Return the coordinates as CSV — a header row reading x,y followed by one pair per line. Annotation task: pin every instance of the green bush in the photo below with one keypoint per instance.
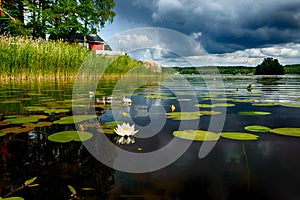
x,y
269,66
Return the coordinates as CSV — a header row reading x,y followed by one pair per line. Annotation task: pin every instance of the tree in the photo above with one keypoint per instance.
x,y
58,17
12,17
269,66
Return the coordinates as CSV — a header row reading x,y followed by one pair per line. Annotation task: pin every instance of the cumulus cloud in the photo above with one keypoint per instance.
x,y
232,32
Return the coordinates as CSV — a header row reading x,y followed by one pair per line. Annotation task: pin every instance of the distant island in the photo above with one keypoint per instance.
x,y
269,66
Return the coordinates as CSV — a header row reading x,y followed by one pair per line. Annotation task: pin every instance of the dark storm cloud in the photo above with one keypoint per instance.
x,y
224,25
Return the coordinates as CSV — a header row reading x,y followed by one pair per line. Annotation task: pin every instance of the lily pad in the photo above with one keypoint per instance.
x,y
215,105
257,128
184,115
265,104
38,124
25,119
74,119
210,112
35,108
2,134
253,113
239,136
243,100
295,132
111,124
16,130
68,136
10,101
59,110
197,135
290,105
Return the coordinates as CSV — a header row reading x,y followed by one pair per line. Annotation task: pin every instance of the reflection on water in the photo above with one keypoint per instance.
x,y
267,168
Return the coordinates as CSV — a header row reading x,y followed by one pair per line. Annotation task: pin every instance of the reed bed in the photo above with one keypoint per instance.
x,y
24,57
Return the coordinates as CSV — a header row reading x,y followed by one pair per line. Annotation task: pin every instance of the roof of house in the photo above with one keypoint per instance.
x,y
78,37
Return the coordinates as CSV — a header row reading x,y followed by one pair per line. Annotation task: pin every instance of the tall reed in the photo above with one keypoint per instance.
x,y
25,58
31,58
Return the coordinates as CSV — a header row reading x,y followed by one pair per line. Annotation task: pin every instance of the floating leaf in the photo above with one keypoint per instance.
x,y
47,100
250,113
38,124
1,134
111,124
35,108
28,182
184,115
56,110
239,136
198,135
295,132
10,101
257,128
72,190
243,100
215,105
3,123
210,112
17,130
74,119
25,119
106,131
68,136
265,104
87,189
12,198
290,105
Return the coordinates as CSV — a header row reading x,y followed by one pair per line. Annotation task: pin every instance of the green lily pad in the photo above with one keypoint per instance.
x,y
106,130
197,135
215,105
210,112
10,101
25,119
295,132
68,136
38,124
47,100
265,104
257,128
2,134
184,115
59,110
16,130
253,113
35,108
12,198
112,124
290,105
239,136
243,100
74,119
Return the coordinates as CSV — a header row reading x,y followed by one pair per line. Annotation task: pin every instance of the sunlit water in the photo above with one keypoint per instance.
x,y
264,169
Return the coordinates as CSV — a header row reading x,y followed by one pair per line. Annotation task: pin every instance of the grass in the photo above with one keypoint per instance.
x,y
25,58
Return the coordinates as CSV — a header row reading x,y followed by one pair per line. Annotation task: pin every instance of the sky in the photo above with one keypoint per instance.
x,y
206,32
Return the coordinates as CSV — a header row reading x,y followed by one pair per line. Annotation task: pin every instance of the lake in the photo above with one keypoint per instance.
x,y
252,151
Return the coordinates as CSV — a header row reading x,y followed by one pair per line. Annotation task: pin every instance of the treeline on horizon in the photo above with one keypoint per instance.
x,y
234,70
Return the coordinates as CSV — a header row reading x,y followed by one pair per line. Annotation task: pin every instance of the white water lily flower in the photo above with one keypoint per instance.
x,y
127,100
125,130
126,133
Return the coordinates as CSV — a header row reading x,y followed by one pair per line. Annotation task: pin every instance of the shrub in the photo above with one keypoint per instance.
x,y
269,66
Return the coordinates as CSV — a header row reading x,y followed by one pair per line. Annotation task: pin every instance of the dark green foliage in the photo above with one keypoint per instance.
x,y
59,17
292,69
269,66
